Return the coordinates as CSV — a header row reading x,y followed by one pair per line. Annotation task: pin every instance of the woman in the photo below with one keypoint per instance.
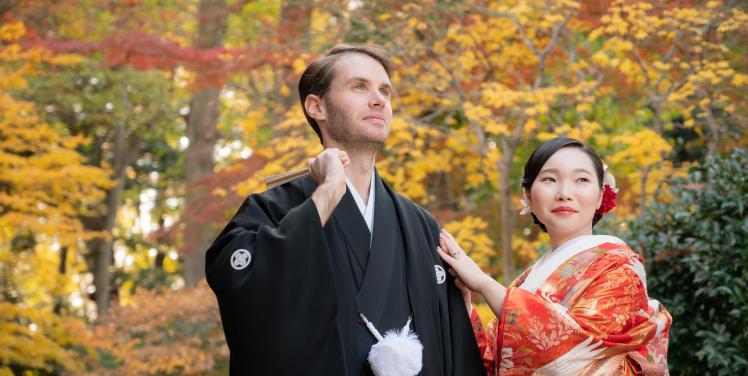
x,y
581,309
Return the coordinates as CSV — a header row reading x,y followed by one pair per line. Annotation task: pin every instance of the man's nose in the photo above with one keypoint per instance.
x,y
377,99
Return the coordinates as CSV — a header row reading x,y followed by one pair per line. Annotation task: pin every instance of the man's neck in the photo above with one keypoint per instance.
x,y
360,170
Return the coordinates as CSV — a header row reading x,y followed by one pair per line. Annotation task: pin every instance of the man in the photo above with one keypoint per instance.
x,y
298,264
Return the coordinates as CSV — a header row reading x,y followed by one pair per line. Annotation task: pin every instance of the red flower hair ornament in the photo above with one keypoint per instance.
x,y
610,192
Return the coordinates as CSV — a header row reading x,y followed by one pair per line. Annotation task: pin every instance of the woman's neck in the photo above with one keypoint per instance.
x,y
557,239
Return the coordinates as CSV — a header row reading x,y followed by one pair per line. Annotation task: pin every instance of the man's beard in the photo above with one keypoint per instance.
x,y
340,131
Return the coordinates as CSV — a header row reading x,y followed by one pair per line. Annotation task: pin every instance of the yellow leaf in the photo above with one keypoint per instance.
x,y
65,59
12,31
497,129
298,66
740,79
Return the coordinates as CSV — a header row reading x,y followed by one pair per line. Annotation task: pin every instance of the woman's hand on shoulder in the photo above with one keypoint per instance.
x,y
461,265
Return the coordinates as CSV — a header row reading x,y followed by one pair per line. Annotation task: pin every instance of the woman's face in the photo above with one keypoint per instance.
x,y
565,195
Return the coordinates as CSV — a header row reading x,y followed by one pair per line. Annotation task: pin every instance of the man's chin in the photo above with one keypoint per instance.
x,y
367,144
378,137
369,141
374,137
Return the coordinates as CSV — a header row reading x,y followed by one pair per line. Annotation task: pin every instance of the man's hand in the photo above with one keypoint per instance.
x,y
328,171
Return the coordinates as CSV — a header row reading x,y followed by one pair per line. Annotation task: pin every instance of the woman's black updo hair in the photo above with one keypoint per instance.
x,y
544,152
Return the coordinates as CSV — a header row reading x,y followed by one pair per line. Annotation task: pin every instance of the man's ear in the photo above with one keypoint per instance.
x,y
315,108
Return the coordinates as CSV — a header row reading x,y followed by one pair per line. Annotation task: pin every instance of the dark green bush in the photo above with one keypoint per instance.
x,y
695,241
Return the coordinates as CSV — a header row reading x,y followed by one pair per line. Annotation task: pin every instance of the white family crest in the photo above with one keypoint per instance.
x,y
240,259
441,276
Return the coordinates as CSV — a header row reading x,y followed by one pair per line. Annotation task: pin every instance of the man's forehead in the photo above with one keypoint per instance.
x,y
355,65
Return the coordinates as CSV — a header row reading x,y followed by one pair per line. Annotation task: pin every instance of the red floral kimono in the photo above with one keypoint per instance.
x,y
582,309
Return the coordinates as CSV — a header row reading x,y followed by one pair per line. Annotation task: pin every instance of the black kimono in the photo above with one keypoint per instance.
x,y
290,291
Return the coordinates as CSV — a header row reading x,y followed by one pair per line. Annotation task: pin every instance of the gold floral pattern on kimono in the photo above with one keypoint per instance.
x,y
591,316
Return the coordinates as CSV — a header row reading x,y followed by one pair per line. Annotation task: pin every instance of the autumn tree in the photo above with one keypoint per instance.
x,y
482,84
44,187
675,69
202,133
128,117
677,59
485,79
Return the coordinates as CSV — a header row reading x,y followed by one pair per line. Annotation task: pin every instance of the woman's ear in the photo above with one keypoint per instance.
x,y
314,107
600,198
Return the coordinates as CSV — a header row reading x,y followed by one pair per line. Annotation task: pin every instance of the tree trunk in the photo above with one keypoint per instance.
x,y
6,5
294,23
657,118
660,129
505,205
293,38
62,270
714,129
162,242
103,262
202,133
643,187
714,134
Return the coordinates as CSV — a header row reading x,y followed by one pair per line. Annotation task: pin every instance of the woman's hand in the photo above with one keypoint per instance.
x,y
469,274
461,264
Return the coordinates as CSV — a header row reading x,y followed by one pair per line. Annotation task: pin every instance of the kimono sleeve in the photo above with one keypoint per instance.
x,y
278,241
271,272
486,341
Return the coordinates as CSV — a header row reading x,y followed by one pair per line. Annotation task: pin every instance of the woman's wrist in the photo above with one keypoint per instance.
x,y
493,293
485,286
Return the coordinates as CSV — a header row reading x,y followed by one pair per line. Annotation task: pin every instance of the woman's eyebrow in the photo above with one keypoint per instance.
x,y
555,171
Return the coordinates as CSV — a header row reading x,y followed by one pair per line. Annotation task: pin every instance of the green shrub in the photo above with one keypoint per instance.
x,y
695,241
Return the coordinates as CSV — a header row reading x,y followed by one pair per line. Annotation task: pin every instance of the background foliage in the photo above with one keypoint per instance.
x,y
130,131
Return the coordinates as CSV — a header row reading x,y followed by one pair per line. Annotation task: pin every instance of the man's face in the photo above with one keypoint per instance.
x,y
357,107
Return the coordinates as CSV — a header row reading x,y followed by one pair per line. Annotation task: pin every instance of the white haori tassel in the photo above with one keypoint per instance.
x,y
398,353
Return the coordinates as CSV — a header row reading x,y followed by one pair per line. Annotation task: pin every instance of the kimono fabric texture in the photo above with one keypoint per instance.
x,y
294,303
582,309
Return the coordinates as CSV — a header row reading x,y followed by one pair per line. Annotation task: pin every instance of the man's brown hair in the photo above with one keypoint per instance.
x,y
319,74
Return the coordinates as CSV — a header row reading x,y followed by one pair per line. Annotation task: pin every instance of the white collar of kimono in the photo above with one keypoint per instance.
x,y
546,265
367,209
